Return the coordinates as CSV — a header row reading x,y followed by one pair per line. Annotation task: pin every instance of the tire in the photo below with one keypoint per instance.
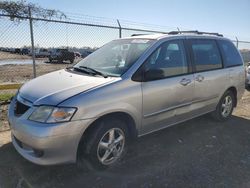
x,y
225,107
99,149
60,61
247,87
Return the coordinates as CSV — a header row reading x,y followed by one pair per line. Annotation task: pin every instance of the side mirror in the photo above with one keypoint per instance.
x,y
149,75
153,74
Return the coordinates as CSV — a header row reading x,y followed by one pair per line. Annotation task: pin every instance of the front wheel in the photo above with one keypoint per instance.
x,y
105,144
225,107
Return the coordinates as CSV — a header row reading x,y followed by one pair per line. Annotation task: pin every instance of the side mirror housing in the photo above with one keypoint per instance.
x,y
153,74
149,75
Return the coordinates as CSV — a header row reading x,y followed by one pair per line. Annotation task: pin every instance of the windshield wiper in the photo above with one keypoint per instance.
x,y
79,69
88,70
94,71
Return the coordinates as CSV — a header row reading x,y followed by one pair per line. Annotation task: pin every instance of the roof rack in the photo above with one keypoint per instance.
x,y
135,35
194,31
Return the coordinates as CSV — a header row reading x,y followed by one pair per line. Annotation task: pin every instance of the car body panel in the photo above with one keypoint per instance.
x,y
163,100
206,90
55,87
58,141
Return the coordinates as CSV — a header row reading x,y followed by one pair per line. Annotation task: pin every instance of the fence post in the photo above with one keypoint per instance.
x,y
32,44
120,29
237,42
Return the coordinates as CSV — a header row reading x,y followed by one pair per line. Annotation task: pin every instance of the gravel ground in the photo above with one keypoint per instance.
x,y
197,153
8,73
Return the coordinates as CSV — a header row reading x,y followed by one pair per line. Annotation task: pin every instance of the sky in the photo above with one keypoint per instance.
x,y
230,17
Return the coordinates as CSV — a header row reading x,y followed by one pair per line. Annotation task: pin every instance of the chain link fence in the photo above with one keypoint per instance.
x,y
78,35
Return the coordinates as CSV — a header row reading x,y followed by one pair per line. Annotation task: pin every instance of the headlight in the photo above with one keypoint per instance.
x,y
50,114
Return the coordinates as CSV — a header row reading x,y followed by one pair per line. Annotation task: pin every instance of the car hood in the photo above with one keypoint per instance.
x,y
55,87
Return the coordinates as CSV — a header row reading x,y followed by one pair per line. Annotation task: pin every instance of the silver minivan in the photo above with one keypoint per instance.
x,y
128,88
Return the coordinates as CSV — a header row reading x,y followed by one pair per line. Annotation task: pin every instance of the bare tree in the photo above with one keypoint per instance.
x,y
20,10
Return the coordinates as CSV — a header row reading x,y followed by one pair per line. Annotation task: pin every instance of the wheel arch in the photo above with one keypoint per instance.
x,y
130,122
126,117
234,91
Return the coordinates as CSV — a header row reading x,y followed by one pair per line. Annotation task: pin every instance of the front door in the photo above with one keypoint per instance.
x,y
168,86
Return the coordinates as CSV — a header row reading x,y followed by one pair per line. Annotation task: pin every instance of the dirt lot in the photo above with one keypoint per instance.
x,y
197,153
8,73
7,55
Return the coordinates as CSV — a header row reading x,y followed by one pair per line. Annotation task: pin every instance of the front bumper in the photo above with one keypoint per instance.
x,y
45,144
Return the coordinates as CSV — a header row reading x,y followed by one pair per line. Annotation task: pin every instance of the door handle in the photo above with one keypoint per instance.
x,y
185,81
199,78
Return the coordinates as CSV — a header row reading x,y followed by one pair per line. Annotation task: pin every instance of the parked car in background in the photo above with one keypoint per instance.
x,y
17,51
61,55
25,51
42,52
128,88
12,50
85,53
248,75
77,54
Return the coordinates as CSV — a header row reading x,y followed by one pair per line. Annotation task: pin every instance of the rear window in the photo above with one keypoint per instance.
x,y
231,56
206,55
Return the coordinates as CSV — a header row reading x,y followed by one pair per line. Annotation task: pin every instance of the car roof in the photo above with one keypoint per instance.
x,y
159,36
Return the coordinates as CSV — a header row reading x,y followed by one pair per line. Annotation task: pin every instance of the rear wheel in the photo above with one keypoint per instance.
x,y
225,107
104,145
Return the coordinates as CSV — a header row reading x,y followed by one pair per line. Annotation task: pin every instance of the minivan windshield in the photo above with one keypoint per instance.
x,y
116,57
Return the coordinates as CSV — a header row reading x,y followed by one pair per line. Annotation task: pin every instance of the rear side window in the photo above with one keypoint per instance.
x,y
206,55
231,56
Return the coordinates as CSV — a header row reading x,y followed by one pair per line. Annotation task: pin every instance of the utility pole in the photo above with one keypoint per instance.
x,y
32,44
120,29
237,42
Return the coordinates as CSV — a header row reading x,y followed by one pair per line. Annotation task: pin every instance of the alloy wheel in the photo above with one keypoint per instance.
x,y
226,106
111,146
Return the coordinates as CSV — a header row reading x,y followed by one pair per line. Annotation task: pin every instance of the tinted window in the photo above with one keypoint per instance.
x,y
206,55
168,60
230,54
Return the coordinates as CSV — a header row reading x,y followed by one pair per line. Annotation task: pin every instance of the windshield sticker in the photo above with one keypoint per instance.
x,y
139,41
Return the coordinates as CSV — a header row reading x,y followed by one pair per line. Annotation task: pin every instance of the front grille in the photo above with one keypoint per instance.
x,y
20,108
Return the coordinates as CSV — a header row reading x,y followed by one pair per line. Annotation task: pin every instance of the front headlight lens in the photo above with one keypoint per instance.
x,y
50,114
61,114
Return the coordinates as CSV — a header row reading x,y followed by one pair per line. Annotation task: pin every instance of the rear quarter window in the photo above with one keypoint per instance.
x,y
230,54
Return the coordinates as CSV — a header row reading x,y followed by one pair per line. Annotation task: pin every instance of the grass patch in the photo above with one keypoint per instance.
x,y
6,96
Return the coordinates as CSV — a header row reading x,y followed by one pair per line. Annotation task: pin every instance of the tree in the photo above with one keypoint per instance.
x,y
19,10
